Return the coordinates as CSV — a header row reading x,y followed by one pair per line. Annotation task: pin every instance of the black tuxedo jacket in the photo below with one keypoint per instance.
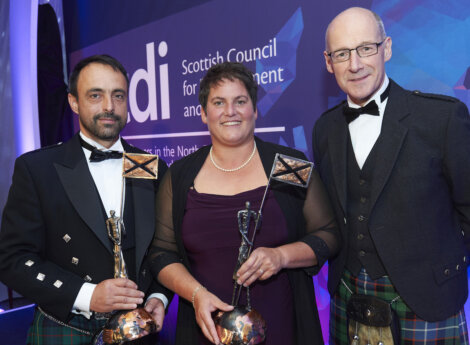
x,y
53,235
420,197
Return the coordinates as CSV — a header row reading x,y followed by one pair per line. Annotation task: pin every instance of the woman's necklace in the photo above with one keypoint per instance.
x,y
234,169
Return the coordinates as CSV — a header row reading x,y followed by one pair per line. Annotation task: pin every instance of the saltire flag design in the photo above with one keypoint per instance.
x,y
140,165
291,170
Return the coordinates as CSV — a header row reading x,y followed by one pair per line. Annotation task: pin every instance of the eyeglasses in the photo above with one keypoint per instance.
x,y
364,50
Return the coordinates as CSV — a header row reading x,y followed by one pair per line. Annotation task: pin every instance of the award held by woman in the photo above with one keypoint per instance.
x,y
127,325
244,325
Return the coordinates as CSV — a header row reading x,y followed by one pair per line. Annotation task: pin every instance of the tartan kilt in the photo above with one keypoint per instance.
x,y
413,330
44,331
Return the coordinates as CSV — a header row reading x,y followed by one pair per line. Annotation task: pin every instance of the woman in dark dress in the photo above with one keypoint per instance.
x,y
197,239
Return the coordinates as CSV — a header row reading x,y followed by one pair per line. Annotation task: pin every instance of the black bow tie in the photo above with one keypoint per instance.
x,y
98,155
351,114
371,108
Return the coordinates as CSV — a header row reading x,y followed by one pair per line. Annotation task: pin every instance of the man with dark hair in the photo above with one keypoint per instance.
x,y
54,244
101,59
397,167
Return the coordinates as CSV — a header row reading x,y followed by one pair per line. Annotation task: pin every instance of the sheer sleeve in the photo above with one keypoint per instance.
x,y
322,233
164,250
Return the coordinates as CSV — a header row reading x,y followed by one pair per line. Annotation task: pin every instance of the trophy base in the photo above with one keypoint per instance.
x,y
241,326
126,326
98,339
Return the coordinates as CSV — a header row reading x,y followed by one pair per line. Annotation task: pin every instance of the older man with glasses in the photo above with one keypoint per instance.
x,y
396,164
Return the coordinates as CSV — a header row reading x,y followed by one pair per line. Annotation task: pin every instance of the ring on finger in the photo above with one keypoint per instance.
x,y
261,271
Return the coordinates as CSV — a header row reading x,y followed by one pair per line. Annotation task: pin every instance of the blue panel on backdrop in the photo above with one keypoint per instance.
x,y
282,66
430,43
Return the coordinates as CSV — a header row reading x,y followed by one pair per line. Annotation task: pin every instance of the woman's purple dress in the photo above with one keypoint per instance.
x,y
211,238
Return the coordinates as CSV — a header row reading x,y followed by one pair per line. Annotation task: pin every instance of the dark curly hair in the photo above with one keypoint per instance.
x,y
230,71
102,59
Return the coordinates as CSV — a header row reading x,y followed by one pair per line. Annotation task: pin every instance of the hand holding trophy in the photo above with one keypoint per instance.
x,y
127,325
244,325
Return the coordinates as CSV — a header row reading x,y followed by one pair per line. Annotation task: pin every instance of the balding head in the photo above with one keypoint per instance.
x,y
351,16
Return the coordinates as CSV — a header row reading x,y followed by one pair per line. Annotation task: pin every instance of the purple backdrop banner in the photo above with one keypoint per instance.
x,y
166,60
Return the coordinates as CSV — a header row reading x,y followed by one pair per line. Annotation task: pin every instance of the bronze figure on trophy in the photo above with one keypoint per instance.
x,y
244,325
127,325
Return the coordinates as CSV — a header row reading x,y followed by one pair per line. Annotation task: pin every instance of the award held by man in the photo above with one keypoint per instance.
x,y
127,325
244,325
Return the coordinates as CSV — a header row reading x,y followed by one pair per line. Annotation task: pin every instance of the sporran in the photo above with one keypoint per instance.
x,y
371,320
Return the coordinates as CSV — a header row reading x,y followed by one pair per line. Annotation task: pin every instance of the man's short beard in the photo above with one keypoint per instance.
x,y
106,132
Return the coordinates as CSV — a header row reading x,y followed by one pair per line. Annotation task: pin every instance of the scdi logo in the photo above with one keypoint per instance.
x,y
148,76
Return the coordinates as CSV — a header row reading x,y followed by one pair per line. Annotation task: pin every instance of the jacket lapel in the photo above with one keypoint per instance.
x,y
391,138
81,190
338,136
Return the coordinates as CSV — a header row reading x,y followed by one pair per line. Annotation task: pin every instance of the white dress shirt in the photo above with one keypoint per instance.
x,y
365,130
108,179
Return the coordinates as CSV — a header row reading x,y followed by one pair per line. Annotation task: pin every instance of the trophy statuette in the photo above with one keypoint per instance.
x,y
114,225
127,325
243,325
124,325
